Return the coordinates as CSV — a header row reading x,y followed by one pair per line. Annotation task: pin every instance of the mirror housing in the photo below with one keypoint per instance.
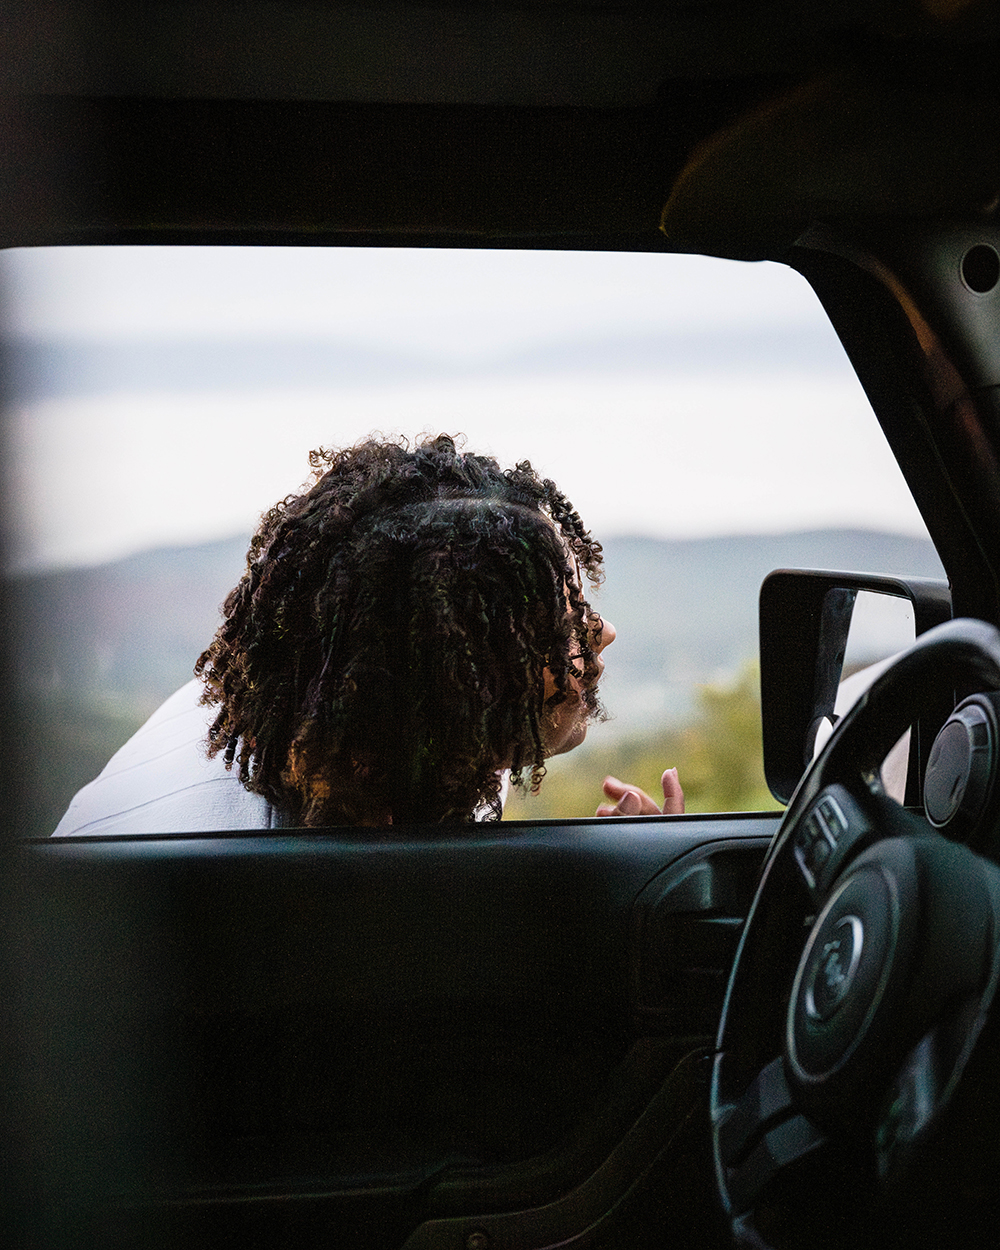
x,y
805,617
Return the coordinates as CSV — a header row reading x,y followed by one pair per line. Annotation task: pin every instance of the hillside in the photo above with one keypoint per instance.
x,y
686,611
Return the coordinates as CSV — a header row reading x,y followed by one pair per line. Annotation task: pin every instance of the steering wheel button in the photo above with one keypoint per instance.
x,y
833,819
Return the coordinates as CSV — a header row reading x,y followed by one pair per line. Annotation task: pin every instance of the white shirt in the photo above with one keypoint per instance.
x,y
162,781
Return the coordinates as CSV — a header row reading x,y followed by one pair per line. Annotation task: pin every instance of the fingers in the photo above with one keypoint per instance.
x,y
631,801
673,795
628,805
628,800
625,801
614,789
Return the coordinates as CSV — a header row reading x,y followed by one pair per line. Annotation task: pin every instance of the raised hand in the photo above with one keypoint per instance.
x,y
628,800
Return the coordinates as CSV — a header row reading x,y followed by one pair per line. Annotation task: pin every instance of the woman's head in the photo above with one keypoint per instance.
x,y
410,624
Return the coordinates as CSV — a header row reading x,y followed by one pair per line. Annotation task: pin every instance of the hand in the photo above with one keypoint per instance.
x,y
631,801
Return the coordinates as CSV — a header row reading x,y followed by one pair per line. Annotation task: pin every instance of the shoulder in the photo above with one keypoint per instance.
x,y
162,781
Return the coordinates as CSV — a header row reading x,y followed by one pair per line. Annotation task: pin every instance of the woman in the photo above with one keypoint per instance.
x,y
411,629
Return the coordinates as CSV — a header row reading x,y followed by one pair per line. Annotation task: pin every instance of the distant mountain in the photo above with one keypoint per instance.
x,y
686,611
125,634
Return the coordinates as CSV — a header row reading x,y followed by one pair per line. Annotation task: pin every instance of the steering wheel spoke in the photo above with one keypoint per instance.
x,y
760,1135
766,1100
923,1083
778,1150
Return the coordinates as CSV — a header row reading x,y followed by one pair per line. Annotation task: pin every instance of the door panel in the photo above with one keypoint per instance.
x,y
364,1034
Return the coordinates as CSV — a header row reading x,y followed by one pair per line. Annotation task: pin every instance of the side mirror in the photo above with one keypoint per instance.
x,y
805,622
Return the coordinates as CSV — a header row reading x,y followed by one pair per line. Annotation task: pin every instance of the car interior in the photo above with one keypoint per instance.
x,y
759,1029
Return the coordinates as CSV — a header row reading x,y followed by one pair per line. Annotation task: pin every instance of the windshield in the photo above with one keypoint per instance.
x,y
700,414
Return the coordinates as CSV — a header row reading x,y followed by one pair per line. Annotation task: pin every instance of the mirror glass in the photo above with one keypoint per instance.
x,y
881,626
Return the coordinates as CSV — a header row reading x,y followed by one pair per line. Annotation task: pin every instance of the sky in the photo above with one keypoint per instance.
x,y
674,396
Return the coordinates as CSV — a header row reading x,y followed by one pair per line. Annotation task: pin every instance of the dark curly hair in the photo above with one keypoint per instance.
x,y
385,653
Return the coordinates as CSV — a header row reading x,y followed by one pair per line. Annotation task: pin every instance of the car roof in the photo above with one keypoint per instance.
x,y
531,124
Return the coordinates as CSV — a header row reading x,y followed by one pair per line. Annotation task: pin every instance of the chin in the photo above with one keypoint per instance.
x,y
571,741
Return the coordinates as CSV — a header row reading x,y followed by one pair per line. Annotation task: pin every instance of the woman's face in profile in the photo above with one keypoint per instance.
x,y
565,725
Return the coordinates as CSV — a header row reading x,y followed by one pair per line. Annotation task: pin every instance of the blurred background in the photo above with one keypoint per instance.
x,y
700,414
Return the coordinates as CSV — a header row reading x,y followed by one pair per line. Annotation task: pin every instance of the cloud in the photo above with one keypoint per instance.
x,y
679,457
448,304
169,395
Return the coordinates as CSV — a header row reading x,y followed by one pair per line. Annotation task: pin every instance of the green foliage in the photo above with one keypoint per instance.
x,y
717,754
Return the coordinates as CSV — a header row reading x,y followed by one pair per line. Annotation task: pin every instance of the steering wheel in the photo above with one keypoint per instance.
x,y
852,1100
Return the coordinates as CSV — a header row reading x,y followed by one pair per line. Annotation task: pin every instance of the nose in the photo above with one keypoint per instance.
x,y
608,635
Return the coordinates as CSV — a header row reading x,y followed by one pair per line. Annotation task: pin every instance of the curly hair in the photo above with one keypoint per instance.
x,y
384,655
